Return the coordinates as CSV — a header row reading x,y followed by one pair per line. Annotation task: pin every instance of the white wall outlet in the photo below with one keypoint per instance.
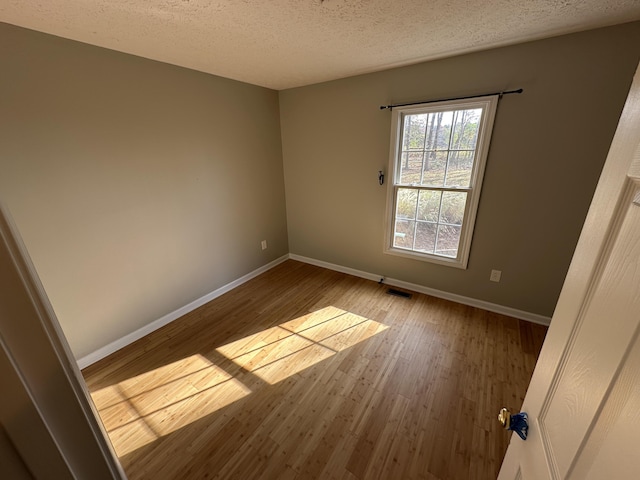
x,y
495,275
264,244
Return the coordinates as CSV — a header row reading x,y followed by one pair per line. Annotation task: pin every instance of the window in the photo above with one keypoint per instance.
x,y
438,154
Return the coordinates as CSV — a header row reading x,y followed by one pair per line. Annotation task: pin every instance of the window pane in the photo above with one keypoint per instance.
x,y
465,132
448,240
410,167
459,169
438,131
414,132
429,205
406,203
434,168
452,209
403,233
426,237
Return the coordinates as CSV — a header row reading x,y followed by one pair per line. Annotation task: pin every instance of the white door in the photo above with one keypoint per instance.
x,y
584,398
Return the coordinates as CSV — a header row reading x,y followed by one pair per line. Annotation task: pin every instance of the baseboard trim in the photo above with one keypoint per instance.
x,y
170,317
473,302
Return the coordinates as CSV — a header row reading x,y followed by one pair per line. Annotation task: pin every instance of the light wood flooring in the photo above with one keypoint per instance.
x,y
306,373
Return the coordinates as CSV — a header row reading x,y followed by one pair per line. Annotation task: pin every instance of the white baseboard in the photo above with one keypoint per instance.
x,y
170,317
473,302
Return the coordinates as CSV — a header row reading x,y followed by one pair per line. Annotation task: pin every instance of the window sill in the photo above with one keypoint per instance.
x,y
425,257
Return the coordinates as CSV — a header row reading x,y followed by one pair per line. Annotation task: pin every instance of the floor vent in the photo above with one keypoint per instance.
x,y
398,293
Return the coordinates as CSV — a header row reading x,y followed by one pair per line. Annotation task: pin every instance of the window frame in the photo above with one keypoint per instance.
x,y
488,104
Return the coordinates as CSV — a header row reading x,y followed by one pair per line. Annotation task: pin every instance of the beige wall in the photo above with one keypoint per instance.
x,y
137,186
548,148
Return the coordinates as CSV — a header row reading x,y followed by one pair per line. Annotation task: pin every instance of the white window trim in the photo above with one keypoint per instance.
x,y
489,105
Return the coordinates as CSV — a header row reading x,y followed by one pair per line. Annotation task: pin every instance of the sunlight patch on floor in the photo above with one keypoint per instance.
x,y
284,350
144,408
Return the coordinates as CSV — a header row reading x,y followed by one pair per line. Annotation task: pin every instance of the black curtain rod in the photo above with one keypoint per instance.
x,y
508,92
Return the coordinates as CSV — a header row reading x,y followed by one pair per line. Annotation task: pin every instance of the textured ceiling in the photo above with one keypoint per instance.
x,y
288,43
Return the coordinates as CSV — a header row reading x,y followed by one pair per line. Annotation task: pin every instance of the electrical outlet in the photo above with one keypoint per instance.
x,y
264,244
495,275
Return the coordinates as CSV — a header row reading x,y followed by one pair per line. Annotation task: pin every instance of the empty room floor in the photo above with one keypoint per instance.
x,y
305,373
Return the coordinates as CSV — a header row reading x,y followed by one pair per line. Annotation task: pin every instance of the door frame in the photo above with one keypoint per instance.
x,y
48,374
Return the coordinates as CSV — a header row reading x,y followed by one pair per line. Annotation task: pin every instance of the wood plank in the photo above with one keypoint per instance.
x,y
308,373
